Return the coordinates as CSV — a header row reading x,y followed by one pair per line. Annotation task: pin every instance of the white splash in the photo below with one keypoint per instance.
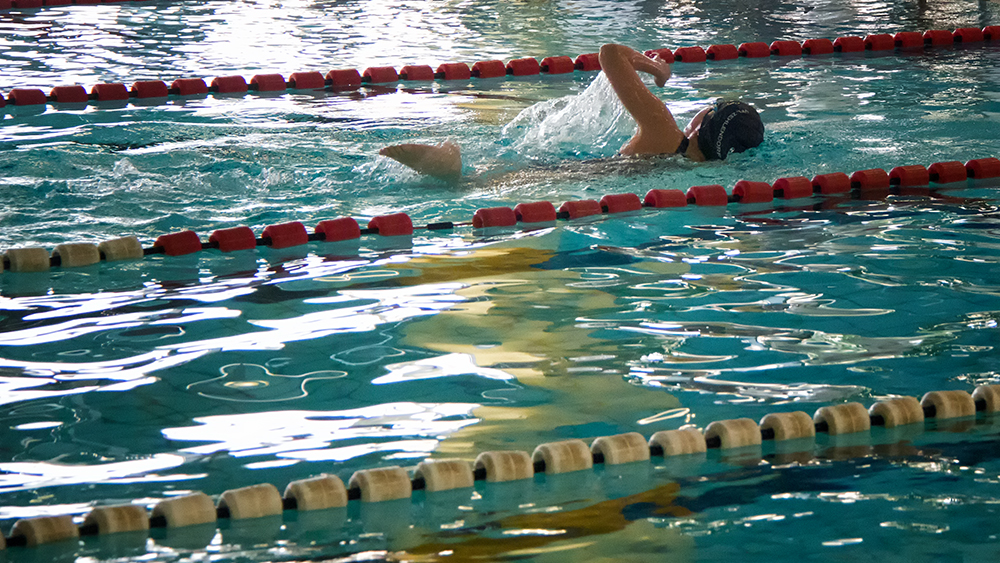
x,y
592,123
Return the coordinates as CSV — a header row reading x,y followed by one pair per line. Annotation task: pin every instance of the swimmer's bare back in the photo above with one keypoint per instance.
x,y
442,161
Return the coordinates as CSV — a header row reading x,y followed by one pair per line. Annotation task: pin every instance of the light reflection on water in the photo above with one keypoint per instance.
x,y
305,368
308,435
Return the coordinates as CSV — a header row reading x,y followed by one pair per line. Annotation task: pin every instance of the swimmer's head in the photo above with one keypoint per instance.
x,y
728,127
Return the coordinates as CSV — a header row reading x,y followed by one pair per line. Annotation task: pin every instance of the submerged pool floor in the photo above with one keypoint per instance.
x,y
139,381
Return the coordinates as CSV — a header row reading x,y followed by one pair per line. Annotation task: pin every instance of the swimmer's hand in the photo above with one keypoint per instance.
x,y
662,71
443,161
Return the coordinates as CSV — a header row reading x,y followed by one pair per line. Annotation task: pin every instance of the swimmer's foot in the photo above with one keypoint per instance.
x,y
443,161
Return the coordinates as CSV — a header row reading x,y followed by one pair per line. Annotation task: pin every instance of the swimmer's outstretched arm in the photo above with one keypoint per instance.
x,y
658,132
442,161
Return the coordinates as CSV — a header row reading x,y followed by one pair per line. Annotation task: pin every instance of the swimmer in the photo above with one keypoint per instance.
x,y
727,126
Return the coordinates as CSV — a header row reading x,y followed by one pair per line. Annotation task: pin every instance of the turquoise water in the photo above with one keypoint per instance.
x,y
137,381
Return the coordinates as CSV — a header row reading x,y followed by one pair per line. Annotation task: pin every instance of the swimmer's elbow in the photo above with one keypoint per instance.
x,y
611,50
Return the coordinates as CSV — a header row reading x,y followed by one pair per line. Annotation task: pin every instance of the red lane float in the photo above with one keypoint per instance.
x,y
268,83
453,71
343,228
690,55
849,44
416,72
620,203
379,75
189,87
306,81
833,183
284,235
967,35
231,240
527,66
938,37
873,179
817,47
26,97
909,176
494,217
47,3
343,79
713,194
489,69
69,95
557,65
991,32
179,244
109,92
150,89
753,192
229,85
947,172
792,187
580,208
535,212
754,50
722,52
665,198
879,42
908,39
786,48
396,224
588,62
27,3
664,53
983,168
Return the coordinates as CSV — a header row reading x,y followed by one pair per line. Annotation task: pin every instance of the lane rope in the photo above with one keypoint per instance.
x,y
792,433
833,188
152,92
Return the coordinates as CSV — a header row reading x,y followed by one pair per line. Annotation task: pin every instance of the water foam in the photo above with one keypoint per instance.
x,y
591,124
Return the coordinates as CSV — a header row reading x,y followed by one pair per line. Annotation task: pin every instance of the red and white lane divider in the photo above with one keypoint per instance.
x,y
867,184
346,79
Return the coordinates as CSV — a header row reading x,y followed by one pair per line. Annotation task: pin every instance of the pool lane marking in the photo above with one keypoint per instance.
x,y
864,185
375,77
942,407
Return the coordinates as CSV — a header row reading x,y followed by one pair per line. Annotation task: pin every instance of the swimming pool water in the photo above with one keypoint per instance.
x,y
137,381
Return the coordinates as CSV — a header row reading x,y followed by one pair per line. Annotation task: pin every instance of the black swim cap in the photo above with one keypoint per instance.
x,y
731,127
